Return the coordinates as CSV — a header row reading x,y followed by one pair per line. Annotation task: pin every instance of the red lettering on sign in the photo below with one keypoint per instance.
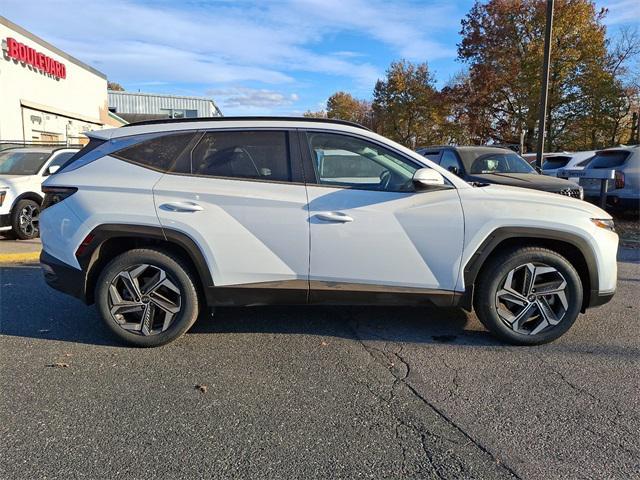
x,y
24,54
12,47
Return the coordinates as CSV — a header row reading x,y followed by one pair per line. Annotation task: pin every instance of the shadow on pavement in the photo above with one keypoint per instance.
x,y
29,308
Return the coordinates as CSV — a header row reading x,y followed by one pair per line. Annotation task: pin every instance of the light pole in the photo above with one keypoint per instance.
x,y
542,119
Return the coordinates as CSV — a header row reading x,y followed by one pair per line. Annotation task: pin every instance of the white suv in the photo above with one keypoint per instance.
x,y
22,171
153,221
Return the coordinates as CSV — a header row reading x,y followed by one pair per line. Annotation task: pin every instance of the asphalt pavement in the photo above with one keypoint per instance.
x,y
310,392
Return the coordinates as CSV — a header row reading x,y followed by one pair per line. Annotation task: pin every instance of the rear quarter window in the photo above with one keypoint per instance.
x,y
158,153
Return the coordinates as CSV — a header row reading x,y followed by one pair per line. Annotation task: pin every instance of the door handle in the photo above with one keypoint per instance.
x,y
181,207
334,217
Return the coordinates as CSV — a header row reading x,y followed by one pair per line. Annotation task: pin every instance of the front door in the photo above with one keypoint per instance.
x,y
372,235
235,196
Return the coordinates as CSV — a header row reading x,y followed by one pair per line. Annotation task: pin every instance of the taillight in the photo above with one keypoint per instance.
x,y
85,243
53,195
619,179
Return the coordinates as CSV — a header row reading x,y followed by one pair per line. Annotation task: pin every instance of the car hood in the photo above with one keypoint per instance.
x,y
12,180
524,180
511,196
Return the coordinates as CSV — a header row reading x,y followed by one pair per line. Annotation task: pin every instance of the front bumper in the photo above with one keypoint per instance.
x,y
600,298
5,220
63,277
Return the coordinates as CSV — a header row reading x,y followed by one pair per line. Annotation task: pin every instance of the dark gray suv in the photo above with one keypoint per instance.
x,y
476,164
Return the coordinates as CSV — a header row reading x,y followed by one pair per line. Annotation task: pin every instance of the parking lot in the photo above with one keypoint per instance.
x,y
329,392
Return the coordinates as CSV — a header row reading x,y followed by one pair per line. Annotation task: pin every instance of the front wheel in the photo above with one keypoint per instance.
x,y
147,297
528,296
25,220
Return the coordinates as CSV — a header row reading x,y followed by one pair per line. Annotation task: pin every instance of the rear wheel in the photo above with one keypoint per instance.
x,y
528,296
25,219
147,297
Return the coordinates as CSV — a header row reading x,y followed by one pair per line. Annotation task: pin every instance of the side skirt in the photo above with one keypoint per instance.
x,y
301,292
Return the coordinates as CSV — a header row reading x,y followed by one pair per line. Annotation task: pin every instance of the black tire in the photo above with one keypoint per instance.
x,y
180,275
493,277
22,230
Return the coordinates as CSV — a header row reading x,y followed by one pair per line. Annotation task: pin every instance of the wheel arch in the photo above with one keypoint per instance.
x,y
36,197
109,240
571,246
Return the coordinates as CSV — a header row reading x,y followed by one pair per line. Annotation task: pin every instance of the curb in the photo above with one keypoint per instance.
x,y
27,257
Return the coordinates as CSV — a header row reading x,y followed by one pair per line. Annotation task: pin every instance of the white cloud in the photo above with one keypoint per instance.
x,y
251,97
231,42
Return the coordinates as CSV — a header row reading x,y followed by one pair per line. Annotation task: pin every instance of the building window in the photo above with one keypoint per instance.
x,y
179,113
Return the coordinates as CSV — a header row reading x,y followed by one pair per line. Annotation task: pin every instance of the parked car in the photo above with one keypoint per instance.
x,y
22,171
154,221
624,190
554,162
495,165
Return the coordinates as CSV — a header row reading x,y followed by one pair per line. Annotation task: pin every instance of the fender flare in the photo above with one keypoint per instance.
x,y
488,246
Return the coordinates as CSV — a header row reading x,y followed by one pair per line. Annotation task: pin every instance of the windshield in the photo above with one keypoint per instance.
x,y
500,163
551,163
22,163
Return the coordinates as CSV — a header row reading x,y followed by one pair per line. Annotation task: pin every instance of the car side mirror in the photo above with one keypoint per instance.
x,y
538,169
53,169
454,170
426,179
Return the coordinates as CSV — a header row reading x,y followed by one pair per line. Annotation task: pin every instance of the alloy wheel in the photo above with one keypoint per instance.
x,y
532,298
29,220
144,300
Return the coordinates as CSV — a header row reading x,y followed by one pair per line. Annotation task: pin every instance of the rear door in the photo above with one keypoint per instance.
x,y
239,195
372,234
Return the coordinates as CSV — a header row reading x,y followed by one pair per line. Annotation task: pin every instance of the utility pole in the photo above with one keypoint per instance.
x,y
542,119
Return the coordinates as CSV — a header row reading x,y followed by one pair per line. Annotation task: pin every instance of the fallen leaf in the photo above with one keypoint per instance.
x,y
202,388
58,365
323,344
67,354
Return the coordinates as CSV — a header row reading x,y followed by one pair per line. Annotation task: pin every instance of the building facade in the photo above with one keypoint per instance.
x,y
136,106
47,95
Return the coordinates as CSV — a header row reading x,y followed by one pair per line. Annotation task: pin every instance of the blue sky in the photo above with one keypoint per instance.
x,y
258,57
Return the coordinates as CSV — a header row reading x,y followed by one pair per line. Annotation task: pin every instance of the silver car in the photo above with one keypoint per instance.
x,y
624,191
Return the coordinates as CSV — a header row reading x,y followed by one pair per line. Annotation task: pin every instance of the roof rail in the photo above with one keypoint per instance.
x,y
247,119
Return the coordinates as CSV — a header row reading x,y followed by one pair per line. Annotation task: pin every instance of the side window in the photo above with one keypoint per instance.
x,y
433,155
61,159
450,162
157,153
346,161
261,155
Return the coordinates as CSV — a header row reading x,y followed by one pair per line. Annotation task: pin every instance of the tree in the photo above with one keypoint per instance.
x,y
503,45
344,106
405,104
115,86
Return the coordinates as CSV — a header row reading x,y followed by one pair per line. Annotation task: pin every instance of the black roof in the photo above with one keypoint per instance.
x,y
247,119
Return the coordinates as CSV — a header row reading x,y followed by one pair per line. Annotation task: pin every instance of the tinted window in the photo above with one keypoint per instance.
x,y
346,161
22,163
550,163
158,153
449,160
253,154
61,159
608,159
500,163
434,156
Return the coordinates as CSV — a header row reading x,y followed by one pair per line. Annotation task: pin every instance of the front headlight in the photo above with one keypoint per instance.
x,y
581,192
3,195
606,223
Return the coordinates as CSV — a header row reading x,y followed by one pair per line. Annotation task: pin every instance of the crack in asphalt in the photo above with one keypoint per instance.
x,y
581,390
401,379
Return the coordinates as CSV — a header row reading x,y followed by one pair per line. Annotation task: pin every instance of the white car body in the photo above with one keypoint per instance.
x,y
308,242
17,187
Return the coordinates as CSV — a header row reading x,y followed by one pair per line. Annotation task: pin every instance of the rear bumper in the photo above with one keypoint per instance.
x,y
63,277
